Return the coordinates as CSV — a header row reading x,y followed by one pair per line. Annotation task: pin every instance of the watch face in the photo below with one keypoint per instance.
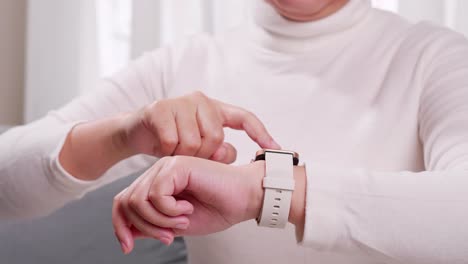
x,y
260,155
263,151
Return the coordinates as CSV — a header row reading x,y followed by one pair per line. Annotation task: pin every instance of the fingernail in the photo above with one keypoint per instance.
x,y
124,247
166,241
181,226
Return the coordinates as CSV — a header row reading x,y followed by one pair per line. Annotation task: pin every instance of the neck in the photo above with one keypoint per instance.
x,y
321,13
280,34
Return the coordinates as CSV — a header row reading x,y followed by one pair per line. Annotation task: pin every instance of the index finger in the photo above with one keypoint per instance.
x,y
241,119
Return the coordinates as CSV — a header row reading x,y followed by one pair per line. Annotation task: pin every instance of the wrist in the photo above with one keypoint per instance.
x,y
119,136
255,172
92,148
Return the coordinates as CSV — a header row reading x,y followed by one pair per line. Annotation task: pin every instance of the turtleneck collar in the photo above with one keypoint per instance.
x,y
281,34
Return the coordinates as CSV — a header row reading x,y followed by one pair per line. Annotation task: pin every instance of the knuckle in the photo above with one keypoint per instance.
x,y
169,141
198,97
217,137
133,202
193,143
173,164
198,94
163,106
154,198
170,168
156,106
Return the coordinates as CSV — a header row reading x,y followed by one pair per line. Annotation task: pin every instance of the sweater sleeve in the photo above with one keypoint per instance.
x,y
401,216
32,181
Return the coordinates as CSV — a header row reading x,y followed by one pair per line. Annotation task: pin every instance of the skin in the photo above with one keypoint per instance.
x,y
306,10
182,195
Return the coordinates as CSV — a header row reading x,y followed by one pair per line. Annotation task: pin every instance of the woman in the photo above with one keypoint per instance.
x,y
376,107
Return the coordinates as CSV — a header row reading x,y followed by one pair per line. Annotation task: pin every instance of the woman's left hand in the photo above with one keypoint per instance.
x,y
187,196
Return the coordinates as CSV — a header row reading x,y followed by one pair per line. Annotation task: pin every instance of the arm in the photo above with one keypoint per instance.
x,y
398,216
32,180
121,121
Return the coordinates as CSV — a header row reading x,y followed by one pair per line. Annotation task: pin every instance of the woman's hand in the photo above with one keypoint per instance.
x,y
191,196
187,196
190,125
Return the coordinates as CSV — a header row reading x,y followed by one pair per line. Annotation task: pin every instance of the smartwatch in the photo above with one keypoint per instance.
x,y
279,186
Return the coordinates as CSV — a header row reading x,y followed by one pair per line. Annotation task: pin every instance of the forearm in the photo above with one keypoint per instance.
x,y
92,148
405,216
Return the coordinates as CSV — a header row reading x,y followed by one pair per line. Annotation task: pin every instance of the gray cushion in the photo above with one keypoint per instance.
x,y
81,232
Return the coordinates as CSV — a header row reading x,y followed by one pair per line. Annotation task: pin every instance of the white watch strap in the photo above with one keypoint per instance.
x,y
279,185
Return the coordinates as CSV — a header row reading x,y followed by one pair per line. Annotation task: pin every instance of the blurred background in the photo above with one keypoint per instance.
x,y
53,50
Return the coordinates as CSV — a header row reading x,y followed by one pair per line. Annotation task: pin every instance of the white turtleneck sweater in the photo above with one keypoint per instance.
x,y
378,108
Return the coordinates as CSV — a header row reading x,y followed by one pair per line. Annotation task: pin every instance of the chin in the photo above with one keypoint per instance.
x,y
300,10
300,7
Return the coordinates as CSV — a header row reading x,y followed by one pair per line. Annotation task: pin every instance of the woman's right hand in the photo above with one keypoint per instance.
x,y
190,125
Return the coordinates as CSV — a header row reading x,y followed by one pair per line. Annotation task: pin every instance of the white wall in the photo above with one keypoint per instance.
x,y
450,13
461,21
417,10
12,36
61,53
145,27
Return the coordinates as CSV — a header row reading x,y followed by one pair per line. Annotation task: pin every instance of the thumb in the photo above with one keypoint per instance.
x,y
226,153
